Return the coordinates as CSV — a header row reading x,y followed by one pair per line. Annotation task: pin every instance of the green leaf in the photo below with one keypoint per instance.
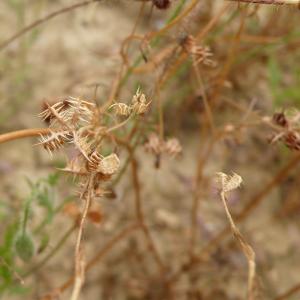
x,y
25,247
53,179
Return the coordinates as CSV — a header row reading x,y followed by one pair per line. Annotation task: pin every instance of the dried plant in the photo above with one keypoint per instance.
x,y
97,164
77,122
200,54
227,183
288,129
158,147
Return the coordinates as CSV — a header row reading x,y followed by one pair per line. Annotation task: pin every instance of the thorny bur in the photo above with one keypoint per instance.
x,y
77,122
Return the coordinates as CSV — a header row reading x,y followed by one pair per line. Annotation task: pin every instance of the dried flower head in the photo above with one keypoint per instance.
x,y
139,103
109,164
288,123
77,122
157,146
121,109
94,161
173,147
154,144
200,54
228,183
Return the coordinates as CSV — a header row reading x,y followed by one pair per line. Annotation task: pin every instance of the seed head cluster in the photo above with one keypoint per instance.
x,y
288,129
80,123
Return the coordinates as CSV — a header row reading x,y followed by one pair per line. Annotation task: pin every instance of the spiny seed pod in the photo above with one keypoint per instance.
x,y
94,161
161,4
109,164
55,140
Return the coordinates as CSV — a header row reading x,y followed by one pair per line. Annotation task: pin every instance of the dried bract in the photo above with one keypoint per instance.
x,y
158,146
200,54
109,164
288,123
173,147
121,109
139,103
228,183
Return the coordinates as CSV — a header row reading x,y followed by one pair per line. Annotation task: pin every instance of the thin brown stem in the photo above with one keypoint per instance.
x,y
195,205
286,295
248,209
99,256
141,217
247,249
79,259
24,133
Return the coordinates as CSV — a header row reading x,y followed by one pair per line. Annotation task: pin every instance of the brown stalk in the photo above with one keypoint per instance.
x,y
248,209
98,257
43,20
230,57
79,257
123,52
209,26
195,205
286,295
253,203
247,249
24,133
208,110
141,217
175,21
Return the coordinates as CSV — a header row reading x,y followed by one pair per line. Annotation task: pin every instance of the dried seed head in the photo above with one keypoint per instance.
x,y
139,103
94,161
200,54
82,144
173,147
69,113
109,164
55,140
121,109
280,119
154,144
228,183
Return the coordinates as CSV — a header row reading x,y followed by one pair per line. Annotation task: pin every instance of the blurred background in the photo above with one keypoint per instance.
x,y
251,75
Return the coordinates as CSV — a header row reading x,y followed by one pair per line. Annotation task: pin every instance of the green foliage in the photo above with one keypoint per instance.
x,y
21,238
25,247
283,94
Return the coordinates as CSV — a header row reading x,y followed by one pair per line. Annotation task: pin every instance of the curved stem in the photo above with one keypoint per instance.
x,y
285,296
24,133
